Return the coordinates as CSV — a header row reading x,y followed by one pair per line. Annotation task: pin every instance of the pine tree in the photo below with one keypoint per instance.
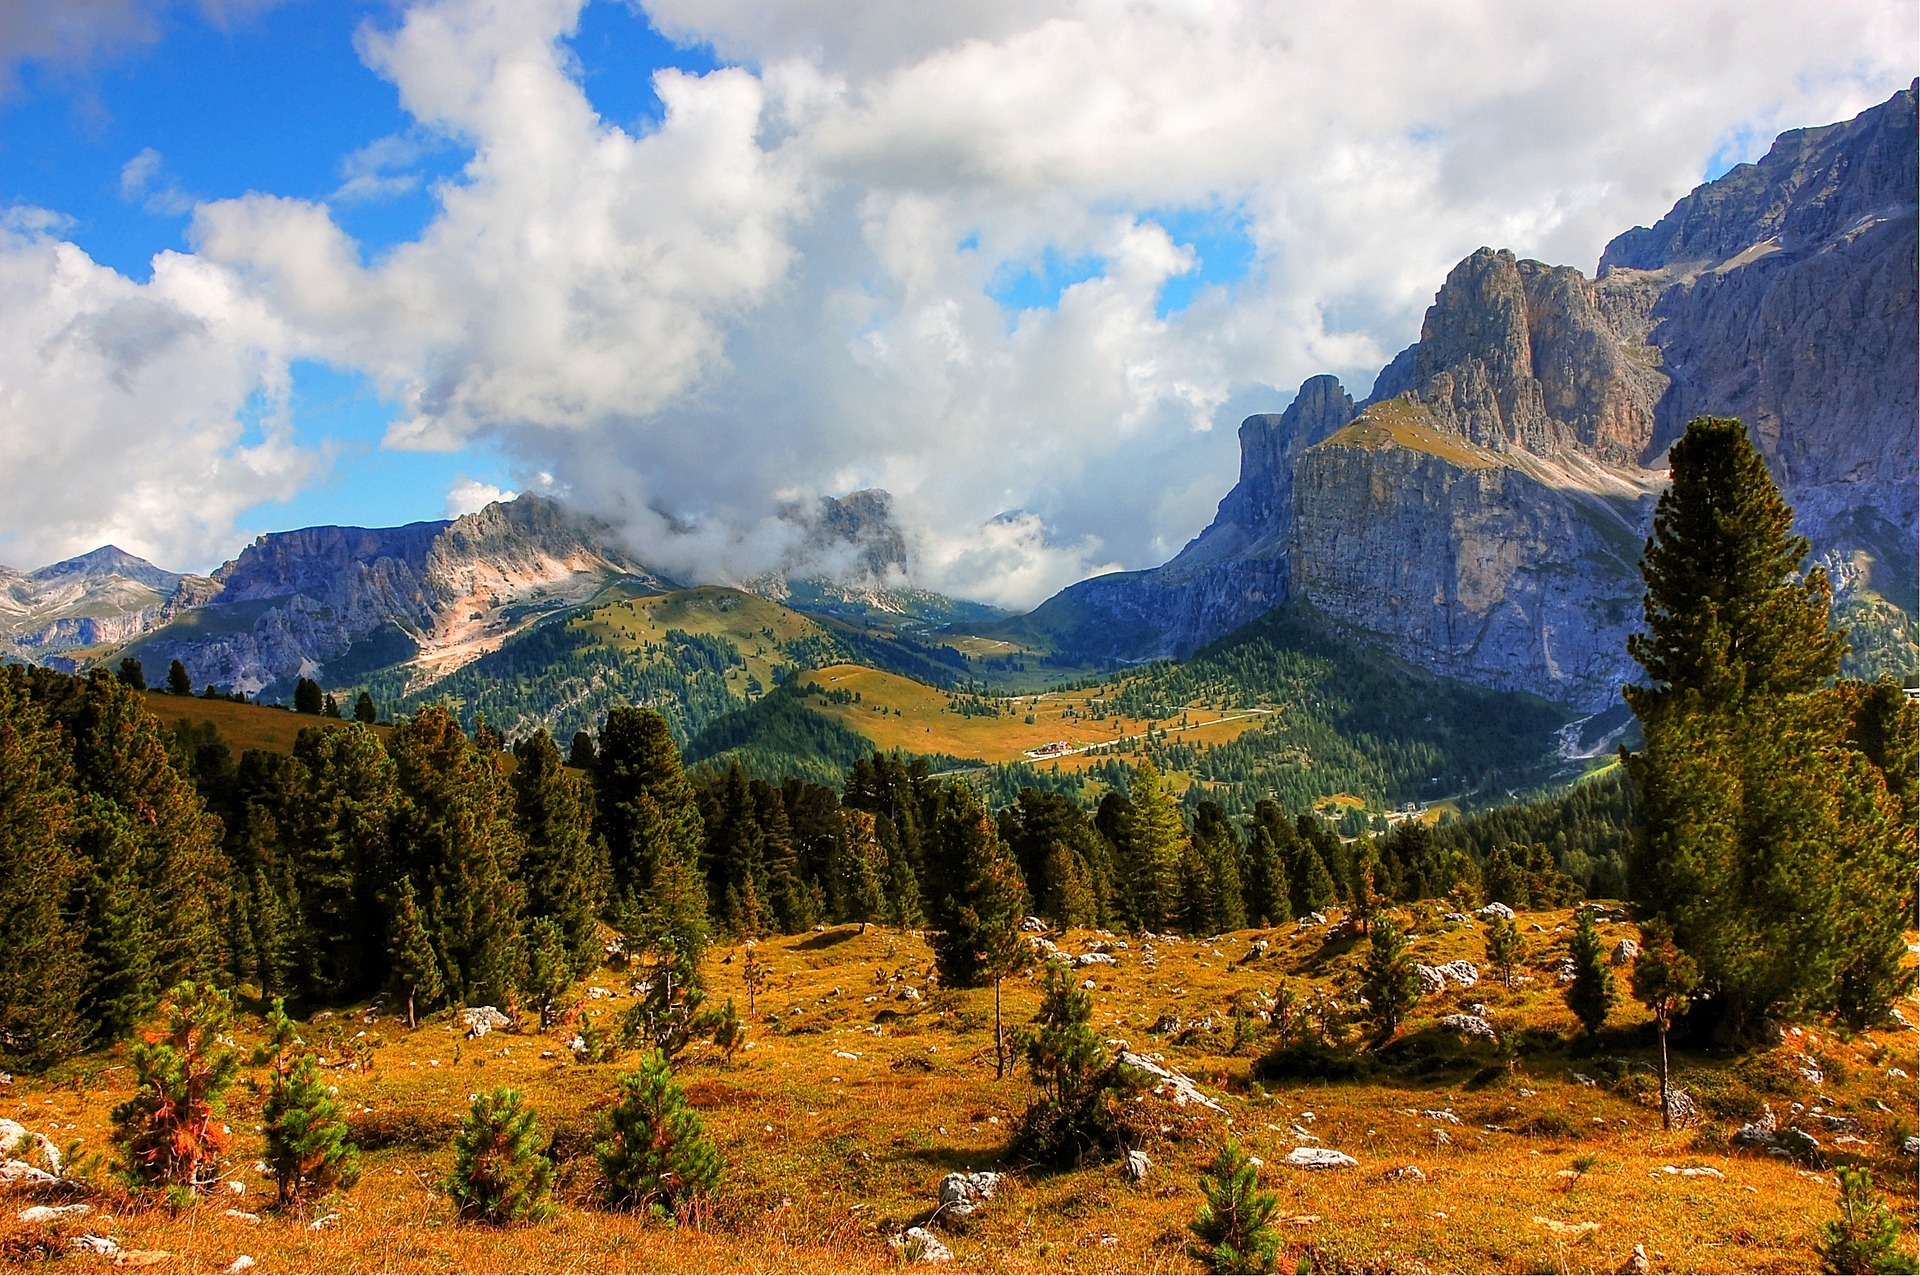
x,y
306,1127
1314,890
1771,841
1389,980
1070,899
563,868
1268,891
273,932
794,904
859,870
1663,980
179,681
157,891
1503,947
335,814
40,869
1865,1238
453,828
412,965
307,696
979,940
653,1151
364,710
1156,840
644,809
131,675
1231,1227
169,1133
500,1173
549,970
734,857
1591,994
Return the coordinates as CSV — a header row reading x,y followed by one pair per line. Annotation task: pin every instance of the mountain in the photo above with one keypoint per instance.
x,y
97,599
1482,510
332,603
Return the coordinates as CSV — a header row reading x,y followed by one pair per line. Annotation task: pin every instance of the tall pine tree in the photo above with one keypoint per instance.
x,y
563,867
979,940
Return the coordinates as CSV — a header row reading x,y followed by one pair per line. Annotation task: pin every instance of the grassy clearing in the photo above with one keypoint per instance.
x,y
899,713
851,1102
242,726
753,626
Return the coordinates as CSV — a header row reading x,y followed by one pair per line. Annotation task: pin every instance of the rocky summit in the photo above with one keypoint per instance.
x,y
97,599
1482,510
331,602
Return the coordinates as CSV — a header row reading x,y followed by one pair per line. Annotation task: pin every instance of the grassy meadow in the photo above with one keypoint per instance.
x,y
853,1098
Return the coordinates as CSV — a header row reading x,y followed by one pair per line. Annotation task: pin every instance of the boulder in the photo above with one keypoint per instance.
x,y
89,1244
1431,980
1165,1080
1497,910
1095,959
1470,1026
964,1194
52,1213
1625,951
918,1245
20,1174
1137,1166
480,1020
1033,926
1319,1159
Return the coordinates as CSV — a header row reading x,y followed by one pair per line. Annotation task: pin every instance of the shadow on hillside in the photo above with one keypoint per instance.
x,y
827,939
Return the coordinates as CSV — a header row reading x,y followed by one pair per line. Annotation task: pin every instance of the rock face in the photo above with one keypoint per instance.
x,y
334,601
1482,511
97,599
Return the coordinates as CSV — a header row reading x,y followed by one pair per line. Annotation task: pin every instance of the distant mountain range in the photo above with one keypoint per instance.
x,y
1481,511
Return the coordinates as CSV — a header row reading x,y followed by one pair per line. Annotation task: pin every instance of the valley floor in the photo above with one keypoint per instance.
x,y
855,1097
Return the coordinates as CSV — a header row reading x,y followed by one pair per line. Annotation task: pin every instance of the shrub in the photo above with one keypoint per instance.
x,y
1591,994
169,1132
1390,983
499,1173
1077,1114
653,1152
306,1127
1313,1060
1865,1238
1231,1226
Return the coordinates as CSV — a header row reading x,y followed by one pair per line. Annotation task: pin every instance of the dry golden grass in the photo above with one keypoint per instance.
x,y
851,1103
1398,423
899,713
243,726
752,625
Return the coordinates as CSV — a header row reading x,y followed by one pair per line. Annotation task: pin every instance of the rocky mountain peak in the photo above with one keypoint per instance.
x,y
1812,184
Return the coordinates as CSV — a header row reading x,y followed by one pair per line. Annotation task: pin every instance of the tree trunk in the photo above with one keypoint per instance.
x,y
411,1025
1666,1111
999,1038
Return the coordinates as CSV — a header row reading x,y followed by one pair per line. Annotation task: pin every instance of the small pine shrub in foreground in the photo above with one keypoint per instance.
x,y
306,1127
499,1173
169,1133
1865,1239
1231,1226
653,1152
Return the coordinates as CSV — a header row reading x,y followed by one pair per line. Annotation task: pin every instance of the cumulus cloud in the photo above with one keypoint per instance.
x,y
469,496
782,290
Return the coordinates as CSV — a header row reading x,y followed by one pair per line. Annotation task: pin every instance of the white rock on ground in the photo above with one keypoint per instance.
x,y
1096,959
90,1244
1470,1026
1138,1165
1406,1173
918,1244
241,1264
51,1213
963,1194
1625,951
20,1174
1497,910
1182,1090
480,1020
1319,1159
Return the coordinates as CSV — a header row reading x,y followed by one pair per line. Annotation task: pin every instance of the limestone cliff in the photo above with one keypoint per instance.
x,y
98,599
1483,509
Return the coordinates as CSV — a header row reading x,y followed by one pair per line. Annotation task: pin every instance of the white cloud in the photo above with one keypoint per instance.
x,y
766,298
144,179
470,496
